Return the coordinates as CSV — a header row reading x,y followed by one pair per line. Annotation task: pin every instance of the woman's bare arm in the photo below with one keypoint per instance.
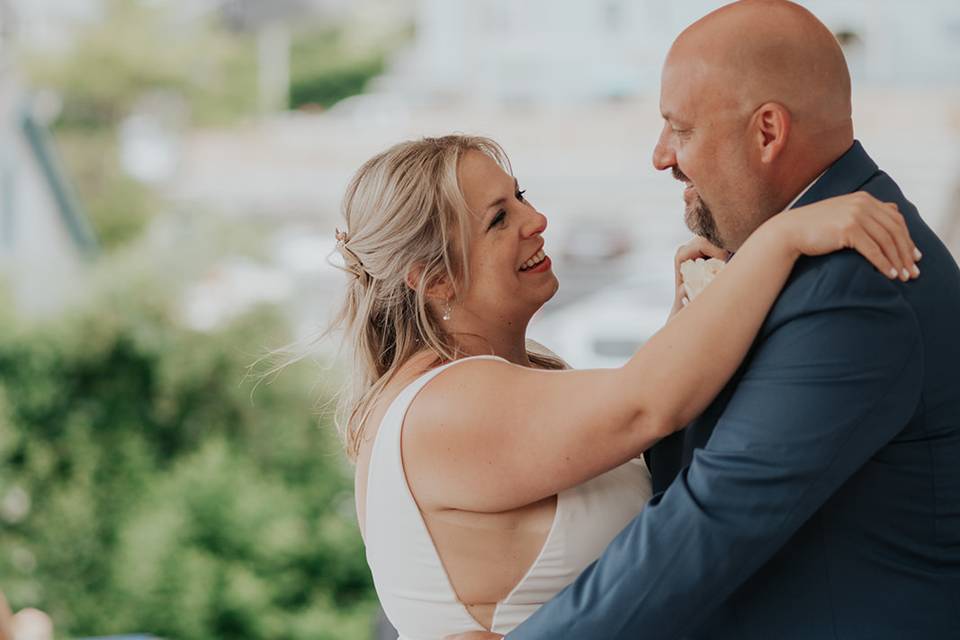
x,y
490,436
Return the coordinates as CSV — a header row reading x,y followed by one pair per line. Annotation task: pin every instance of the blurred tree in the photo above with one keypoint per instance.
x,y
138,48
142,488
326,69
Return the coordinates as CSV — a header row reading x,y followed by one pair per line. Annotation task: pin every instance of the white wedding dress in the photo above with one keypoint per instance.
x,y
411,582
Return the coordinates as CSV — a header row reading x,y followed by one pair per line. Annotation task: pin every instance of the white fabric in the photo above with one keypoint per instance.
x,y
411,582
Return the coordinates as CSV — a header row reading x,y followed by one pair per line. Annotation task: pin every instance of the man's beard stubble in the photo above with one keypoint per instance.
x,y
699,219
697,215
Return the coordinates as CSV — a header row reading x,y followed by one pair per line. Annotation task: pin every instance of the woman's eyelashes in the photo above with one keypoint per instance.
x,y
501,216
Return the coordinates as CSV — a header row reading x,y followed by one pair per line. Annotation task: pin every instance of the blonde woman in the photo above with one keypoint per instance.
x,y
487,476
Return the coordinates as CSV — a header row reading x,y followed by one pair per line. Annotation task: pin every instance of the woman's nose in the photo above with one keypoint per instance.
x,y
537,223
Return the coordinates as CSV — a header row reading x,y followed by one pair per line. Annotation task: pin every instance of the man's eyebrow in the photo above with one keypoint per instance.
x,y
667,115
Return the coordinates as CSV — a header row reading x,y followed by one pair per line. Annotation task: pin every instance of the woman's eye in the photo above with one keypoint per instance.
x,y
498,219
519,195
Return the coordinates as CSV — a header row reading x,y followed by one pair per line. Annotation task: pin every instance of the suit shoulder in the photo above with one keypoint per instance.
x,y
839,273
842,281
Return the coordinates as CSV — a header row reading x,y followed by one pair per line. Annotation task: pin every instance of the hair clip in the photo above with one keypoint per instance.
x,y
352,263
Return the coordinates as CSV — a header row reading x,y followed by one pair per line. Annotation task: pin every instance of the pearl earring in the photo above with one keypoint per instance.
x,y
446,310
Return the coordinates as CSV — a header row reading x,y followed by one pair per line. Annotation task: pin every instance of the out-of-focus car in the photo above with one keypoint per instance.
x,y
606,328
372,109
591,242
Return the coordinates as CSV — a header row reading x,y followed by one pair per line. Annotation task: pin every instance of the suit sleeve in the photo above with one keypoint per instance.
x,y
825,389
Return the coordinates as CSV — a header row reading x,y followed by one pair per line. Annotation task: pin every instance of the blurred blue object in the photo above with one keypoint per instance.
x,y
130,636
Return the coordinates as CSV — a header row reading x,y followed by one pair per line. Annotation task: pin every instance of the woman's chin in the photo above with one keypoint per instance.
x,y
550,292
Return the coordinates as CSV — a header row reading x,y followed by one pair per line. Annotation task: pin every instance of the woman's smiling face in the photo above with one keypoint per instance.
x,y
510,275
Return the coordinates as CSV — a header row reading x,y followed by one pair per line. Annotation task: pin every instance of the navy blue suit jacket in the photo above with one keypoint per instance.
x,y
819,495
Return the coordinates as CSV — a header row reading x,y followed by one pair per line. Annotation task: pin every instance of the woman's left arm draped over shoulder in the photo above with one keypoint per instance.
x,y
821,395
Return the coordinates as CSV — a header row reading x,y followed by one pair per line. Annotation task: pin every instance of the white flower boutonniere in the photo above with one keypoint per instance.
x,y
697,274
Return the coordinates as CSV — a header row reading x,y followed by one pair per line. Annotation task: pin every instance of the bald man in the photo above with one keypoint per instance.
x,y
819,496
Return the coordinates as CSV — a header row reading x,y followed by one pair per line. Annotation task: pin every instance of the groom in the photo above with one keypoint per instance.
x,y
819,496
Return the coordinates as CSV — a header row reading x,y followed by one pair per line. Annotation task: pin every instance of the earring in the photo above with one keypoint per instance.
x,y
446,310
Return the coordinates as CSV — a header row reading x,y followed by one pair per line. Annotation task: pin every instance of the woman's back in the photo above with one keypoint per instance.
x,y
443,571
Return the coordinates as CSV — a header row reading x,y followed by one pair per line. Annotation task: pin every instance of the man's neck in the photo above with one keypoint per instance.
x,y
811,161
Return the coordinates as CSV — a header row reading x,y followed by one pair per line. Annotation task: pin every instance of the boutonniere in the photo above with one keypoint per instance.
x,y
697,274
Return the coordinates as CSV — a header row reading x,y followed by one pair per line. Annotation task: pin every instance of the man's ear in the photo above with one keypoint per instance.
x,y
771,123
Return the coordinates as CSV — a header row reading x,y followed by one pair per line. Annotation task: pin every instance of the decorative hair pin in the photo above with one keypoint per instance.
x,y
351,262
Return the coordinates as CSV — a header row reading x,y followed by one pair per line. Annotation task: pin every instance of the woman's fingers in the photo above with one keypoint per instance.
x,y
896,240
859,221
897,228
864,243
699,248
886,226
884,238
907,246
711,250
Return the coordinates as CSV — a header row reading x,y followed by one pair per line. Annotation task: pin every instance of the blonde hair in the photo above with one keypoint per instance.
x,y
405,214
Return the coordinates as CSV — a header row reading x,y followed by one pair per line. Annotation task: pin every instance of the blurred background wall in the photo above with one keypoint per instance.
x,y
170,178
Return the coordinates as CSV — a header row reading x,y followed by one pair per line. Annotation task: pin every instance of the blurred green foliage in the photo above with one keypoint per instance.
x,y
143,487
325,69
140,48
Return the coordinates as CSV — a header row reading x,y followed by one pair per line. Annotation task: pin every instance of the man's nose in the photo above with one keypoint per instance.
x,y
663,155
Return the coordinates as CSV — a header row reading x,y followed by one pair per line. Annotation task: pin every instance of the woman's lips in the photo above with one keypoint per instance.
x,y
540,268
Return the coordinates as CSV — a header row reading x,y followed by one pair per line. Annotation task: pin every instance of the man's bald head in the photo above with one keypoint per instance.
x,y
756,102
757,51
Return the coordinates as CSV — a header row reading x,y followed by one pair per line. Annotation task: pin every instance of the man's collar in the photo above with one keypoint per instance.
x,y
804,192
850,172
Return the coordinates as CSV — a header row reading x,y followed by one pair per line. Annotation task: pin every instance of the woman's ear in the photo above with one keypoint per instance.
x,y
440,289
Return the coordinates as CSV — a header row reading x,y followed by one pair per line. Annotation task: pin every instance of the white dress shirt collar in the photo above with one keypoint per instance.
x,y
802,193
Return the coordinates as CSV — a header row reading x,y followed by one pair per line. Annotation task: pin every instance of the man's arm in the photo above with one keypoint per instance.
x,y
826,389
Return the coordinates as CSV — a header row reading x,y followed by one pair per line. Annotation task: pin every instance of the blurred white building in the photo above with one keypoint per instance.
x,y
550,51
537,51
45,239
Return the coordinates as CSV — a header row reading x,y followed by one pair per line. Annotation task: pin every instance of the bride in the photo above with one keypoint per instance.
x,y
488,476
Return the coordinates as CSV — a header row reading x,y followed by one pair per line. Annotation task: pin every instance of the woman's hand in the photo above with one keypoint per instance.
x,y
857,221
696,248
28,624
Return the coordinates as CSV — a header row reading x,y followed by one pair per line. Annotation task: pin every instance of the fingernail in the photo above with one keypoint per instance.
x,y
916,271
893,272
916,254
906,274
